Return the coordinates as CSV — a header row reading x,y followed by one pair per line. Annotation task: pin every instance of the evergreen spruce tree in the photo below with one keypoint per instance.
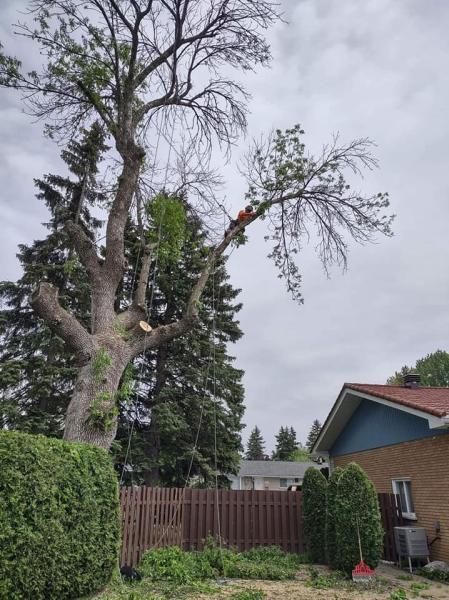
x,y
36,368
188,387
286,444
313,434
255,449
37,372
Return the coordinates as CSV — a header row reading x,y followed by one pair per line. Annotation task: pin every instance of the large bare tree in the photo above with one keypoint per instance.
x,y
136,63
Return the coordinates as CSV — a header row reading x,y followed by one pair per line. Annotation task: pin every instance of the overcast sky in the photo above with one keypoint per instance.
x,y
374,68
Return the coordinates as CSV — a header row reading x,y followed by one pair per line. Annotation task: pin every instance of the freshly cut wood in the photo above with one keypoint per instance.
x,y
145,326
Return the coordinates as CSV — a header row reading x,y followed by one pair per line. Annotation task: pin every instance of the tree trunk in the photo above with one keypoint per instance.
x,y
92,412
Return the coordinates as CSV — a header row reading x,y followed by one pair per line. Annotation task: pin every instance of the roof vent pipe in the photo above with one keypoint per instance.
x,y
412,380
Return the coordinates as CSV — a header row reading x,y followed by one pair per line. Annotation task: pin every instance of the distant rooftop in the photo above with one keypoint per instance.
x,y
275,468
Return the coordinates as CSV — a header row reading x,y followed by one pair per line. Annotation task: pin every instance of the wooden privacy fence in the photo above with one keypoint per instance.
x,y
391,513
156,517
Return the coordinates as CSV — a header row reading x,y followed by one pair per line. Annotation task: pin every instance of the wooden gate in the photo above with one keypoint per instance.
x,y
151,517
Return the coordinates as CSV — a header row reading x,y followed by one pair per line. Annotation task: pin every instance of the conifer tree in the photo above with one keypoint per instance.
x,y
255,449
37,369
187,389
37,374
313,434
286,444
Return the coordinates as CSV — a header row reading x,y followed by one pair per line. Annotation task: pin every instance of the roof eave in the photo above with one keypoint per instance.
x,y
327,438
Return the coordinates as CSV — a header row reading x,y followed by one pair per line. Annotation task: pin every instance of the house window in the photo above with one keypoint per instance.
x,y
403,487
284,483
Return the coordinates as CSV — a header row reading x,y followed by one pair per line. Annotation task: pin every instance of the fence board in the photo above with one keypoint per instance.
x,y
391,513
156,517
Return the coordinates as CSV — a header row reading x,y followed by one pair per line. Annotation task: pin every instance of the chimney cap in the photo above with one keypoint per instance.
x,y
412,380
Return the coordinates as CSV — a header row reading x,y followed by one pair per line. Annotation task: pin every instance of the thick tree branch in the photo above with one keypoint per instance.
x,y
45,302
142,285
165,333
84,248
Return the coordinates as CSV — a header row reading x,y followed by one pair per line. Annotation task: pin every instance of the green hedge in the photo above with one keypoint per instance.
x,y
59,518
314,487
331,496
356,502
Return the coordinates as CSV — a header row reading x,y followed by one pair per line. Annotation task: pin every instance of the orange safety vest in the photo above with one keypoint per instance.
x,y
243,215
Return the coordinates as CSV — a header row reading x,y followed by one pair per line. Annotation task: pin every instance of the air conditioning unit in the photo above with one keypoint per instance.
x,y
411,542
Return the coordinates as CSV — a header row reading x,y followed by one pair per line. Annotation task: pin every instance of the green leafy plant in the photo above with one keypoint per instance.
x,y
434,575
314,488
59,518
100,364
126,389
99,417
399,594
356,507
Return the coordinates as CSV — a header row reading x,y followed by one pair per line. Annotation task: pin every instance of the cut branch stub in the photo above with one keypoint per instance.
x,y
145,326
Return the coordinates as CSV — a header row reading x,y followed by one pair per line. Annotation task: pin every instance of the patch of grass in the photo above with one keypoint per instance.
x,y
323,580
248,594
405,577
399,594
434,575
417,587
327,579
172,573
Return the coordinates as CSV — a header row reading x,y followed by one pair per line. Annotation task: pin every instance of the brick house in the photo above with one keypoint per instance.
x,y
399,436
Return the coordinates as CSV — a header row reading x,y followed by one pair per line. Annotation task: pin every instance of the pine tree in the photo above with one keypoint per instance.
x,y
255,449
36,369
313,434
286,444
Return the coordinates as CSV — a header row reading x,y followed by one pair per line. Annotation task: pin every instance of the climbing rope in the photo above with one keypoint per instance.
x,y
148,308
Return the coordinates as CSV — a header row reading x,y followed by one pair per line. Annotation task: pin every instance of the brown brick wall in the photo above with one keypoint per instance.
x,y
426,463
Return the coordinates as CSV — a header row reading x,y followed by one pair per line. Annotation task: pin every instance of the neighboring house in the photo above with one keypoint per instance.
x,y
399,436
270,474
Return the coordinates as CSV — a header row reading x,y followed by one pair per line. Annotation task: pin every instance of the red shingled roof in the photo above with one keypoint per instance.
x,y
432,400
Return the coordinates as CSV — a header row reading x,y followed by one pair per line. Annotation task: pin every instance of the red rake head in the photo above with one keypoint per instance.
x,y
362,572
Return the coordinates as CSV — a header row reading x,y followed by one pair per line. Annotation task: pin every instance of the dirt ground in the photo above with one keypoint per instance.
x,y
389,582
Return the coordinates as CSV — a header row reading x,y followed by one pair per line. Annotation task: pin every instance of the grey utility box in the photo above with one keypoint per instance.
x,y
411,542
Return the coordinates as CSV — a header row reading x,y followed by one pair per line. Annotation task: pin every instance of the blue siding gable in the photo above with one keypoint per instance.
x,y
374,425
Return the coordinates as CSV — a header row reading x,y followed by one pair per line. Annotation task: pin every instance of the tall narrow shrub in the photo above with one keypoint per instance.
x,y
59,518
331,497
314,487
356,504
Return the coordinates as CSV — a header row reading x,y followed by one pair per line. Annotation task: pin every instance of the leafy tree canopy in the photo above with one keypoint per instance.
x,y
433,368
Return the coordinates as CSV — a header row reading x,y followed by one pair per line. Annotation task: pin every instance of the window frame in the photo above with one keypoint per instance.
x,y
407,514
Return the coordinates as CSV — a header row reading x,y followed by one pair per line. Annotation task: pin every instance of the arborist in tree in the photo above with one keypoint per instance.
x,y
243,215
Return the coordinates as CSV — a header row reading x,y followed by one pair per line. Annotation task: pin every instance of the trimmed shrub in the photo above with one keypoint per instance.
x,y
356,503
59,518
331,496
314,487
